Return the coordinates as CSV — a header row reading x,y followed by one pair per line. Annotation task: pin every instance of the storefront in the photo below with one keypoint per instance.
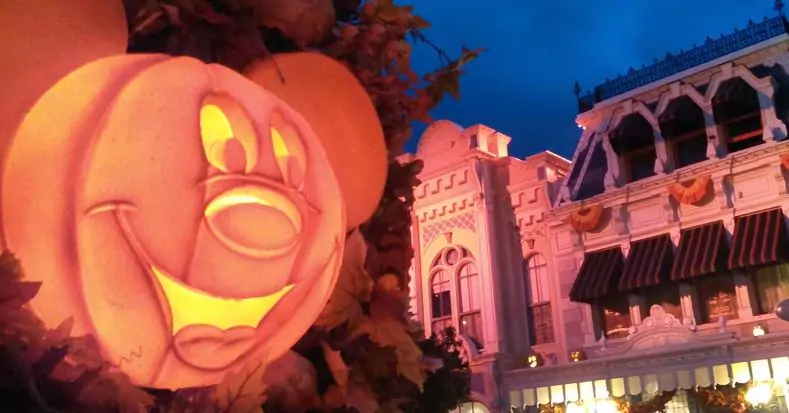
x,y
757,368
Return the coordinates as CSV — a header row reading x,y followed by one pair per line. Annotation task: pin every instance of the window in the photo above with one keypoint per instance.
x,y
538,292
690,149
633,140
455,278
614,316
717,298
470,303
666,296
771,285
738,114
441,300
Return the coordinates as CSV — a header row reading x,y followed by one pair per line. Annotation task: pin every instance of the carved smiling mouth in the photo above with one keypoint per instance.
x,y
190,306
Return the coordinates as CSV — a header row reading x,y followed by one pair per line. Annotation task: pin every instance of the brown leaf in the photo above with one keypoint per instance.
x,y
390,333
353,287
242,391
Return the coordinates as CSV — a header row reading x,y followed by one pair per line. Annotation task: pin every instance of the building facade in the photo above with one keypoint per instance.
x,y
653,263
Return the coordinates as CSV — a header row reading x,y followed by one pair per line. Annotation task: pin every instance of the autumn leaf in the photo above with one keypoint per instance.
x,y
388,332
242,391
353,287
362,398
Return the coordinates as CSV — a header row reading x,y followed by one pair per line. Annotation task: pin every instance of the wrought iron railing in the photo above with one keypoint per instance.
x,y
672,64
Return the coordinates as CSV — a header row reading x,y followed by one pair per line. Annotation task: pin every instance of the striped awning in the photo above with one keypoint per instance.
x,y
648,263
598,276
759,238
702,250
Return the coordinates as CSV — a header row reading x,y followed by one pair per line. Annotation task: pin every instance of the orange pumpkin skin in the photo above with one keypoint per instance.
x,y
349,126
185,252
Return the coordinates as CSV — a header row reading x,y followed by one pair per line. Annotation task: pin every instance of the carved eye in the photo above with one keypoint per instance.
x,y
229,141
288,151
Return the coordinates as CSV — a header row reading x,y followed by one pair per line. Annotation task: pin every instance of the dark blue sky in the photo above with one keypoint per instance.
x,y
523,85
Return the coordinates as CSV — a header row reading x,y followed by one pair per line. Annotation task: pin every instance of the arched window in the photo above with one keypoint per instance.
x,y
538,293
441,301
454,274
470,303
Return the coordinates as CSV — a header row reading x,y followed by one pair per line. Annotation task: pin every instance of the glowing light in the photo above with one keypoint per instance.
x,y
759,331
759,394
575,408
534,360
605,406
216,130
190,306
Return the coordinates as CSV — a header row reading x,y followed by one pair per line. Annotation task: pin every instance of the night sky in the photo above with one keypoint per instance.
x,y
523,85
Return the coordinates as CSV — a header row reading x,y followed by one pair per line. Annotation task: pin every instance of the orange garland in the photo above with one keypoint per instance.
x,y
690,192
586,219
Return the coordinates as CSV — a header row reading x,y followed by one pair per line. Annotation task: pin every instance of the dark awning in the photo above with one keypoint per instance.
x,y
702,250
648,263
759,239
598,276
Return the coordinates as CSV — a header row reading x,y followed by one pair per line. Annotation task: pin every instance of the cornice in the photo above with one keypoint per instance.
x,y
448,208
719,168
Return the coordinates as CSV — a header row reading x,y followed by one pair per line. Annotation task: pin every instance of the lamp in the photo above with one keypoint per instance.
x,y
759,394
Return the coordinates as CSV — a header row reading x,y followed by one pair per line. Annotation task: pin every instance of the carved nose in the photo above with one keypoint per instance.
x,y
254,221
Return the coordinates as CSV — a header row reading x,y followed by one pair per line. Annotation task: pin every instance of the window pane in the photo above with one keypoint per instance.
x,y
717,298
691,150
666,296
452,256
615,316
538,282
468,280
541,324
471,327
440,295
440,325
772,286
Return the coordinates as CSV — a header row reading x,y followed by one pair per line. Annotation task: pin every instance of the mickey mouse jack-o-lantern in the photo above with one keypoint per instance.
x,y
185,217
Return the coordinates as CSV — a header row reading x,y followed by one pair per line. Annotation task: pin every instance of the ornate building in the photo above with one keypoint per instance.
x,y
653,264
482,251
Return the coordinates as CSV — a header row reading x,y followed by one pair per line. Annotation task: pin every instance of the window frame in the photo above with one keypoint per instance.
x,y
539,269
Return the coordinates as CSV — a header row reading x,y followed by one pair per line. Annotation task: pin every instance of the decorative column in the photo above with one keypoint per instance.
x,y
417,275
688,301
612,173
662,163
774,129
715,148
487,261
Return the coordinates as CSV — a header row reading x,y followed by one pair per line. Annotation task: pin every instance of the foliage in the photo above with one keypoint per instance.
x,y
363,354
370,37
448,385
728,398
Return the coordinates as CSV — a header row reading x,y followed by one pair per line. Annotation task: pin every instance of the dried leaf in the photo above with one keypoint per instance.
x,y
362,398
334,398
336,365
353,287
390,333
242,391
292,383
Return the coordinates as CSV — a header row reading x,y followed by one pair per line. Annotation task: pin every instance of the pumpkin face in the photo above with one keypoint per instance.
x,y
185,217
534,360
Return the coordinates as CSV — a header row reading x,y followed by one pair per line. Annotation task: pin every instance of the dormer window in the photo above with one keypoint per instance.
x,y
683,128
634,143
738,115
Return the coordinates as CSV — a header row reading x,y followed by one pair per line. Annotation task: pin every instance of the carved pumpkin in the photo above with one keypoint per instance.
x,y
534,360
340,111
577,355
184,216
43,40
